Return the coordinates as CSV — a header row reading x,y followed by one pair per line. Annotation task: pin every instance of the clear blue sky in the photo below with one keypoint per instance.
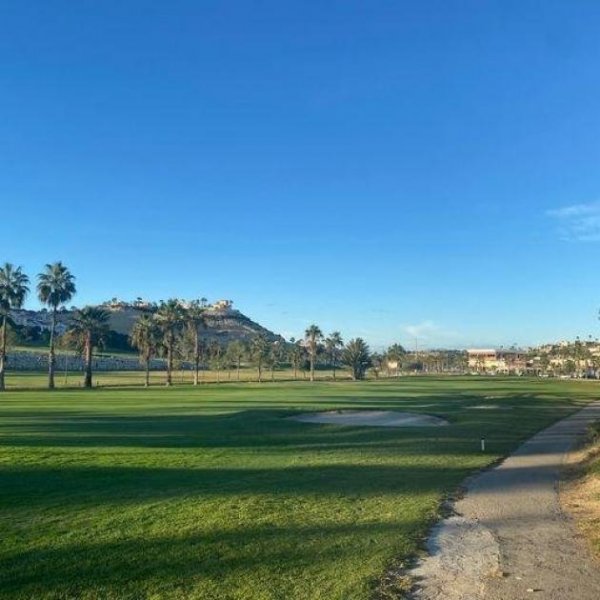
x,y
389,169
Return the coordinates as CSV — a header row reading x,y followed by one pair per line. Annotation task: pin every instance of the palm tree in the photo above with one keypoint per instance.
x,y
376,364
169,318
297,356
56,286
236,352
194,316
13,290
89,326
313,335
215,352
395,353
145,337
332,345
357,356
259,348
274,357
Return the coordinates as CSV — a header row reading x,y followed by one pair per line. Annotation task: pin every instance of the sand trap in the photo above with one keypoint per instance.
x,y
492,407
374,418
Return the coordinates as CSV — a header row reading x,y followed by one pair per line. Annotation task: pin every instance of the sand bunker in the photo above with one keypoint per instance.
x,y
374,418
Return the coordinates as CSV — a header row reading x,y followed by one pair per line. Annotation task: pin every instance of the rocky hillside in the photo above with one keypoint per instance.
x,y
223,323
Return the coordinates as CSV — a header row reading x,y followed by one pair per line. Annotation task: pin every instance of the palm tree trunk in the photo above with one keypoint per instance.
x,y
196,355
238,369
333,369
87,382
51,357
312,367
147,376
3,353
259,373
169,381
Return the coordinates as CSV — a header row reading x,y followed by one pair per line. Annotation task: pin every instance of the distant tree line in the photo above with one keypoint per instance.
x,y
176,331
173,330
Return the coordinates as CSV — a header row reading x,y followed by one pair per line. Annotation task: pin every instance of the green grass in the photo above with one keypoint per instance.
x,y
73,379
210,493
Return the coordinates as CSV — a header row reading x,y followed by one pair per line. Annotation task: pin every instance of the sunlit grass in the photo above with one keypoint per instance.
x,y
73,379
212,493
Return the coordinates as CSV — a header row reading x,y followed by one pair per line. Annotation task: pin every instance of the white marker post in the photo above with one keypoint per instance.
x,y
483,444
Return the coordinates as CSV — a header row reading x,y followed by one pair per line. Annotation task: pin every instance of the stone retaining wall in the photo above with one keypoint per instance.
x,y
38,361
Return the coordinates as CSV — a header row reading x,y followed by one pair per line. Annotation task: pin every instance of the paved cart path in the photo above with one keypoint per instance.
x,y
509,538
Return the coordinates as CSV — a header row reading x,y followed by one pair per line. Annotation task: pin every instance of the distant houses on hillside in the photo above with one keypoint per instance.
x,y
574,359
489,360
145,305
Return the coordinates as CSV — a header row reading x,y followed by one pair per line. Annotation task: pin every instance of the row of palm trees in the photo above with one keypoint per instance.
x,y
177,331
164,329
356,354
172,328
55,287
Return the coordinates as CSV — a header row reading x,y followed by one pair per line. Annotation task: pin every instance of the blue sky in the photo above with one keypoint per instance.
x,y
389,169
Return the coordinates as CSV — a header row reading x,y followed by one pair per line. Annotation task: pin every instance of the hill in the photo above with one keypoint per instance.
x,y
223,322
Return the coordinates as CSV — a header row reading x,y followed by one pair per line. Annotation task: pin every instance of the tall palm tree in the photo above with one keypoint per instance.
x,y
216,357
274,357
88,326
313,335
332,345
13,290
236,352
169,318
259,349
56,286
297,355
145,337
195,320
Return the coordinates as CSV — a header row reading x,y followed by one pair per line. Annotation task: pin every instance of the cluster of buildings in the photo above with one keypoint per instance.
x,y
488,360
138,304
141,304
573,359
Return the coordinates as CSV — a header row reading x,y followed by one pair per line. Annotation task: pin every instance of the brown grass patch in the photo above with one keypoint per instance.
x,y
580,489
